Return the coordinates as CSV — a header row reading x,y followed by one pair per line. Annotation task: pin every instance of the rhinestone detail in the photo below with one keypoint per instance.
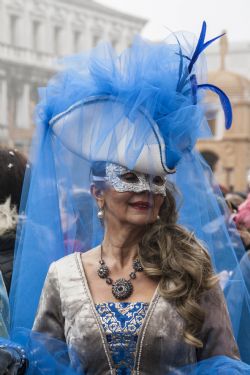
x,y
132,275
137,265
114,172
103,271
122,289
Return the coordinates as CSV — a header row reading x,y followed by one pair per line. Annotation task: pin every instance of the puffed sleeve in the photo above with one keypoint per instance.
x,y
49,318
216,333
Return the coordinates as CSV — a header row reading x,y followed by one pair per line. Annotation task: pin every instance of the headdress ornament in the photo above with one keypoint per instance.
x,y
139,101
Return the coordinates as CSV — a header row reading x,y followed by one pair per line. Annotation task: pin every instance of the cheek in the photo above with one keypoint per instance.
x,y
159,199
117,202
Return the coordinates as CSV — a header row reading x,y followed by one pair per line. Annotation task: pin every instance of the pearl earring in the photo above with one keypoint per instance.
x,y
100,214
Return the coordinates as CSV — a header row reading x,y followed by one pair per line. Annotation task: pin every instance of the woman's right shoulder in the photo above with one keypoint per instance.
x,y
91,256
70,268
88,257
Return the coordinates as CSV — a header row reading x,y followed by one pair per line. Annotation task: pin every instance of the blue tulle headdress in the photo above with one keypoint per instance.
x,y
144,110
150,90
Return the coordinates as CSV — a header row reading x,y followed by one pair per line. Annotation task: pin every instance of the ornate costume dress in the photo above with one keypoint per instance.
x,y
128,338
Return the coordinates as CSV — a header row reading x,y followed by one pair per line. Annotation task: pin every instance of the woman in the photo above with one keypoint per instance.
x,y
172,283
145,300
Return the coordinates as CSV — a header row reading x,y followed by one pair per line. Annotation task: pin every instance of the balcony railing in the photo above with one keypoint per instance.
x,y
20,55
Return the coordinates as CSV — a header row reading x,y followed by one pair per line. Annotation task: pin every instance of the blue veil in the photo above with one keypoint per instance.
x,y
143,109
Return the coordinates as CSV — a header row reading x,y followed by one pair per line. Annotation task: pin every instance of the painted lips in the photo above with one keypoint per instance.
x,y
143,206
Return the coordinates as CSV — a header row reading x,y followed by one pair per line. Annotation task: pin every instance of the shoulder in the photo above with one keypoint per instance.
x,y
66,265
91,257
66,259
63,262
213,297
70,261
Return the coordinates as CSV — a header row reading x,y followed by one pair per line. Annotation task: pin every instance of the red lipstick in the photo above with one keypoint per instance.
x,y
141,205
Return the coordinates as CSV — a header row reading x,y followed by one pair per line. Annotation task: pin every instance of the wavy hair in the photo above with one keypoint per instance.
x,y
173,254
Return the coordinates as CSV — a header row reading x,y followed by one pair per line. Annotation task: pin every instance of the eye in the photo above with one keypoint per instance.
x,y
129,177
158,180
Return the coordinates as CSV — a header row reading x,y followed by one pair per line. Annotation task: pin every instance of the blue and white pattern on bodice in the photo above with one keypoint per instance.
x,y
122,322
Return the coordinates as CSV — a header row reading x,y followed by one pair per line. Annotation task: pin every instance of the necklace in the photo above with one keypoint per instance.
x,y
121,288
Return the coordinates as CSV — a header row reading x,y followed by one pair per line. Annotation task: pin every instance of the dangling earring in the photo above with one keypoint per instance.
x,y
100,214
158,218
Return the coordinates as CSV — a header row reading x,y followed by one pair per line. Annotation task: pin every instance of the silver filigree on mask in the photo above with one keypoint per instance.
x,y
141,182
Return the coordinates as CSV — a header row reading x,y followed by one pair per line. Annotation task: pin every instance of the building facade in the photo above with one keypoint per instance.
x,y
237,59
33,33
228,151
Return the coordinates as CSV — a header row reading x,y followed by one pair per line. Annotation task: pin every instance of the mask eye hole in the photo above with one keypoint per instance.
x,y
158,180
129,177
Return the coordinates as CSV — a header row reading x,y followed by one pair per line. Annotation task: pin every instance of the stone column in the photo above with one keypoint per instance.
x,y
4,131
3,23
48,42
88,35
66,37
3,102
25,28
23,108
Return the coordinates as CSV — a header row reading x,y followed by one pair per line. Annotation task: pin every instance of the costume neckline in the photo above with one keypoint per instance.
x,y
122,303
142,329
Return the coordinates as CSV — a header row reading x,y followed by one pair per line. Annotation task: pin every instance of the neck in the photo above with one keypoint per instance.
x,y
120,245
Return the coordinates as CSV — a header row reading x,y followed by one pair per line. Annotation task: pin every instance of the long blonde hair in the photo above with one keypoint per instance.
x,y
173,254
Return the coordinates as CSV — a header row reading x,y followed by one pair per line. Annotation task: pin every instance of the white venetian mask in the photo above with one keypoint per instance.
x,y
122,180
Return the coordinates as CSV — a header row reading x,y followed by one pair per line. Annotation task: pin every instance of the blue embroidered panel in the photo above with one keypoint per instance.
x,y
122,322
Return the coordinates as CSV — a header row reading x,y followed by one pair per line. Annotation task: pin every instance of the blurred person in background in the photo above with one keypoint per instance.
x,y
234,200
242,220
12,170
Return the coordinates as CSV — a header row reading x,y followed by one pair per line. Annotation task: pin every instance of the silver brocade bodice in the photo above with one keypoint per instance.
x,y
66,311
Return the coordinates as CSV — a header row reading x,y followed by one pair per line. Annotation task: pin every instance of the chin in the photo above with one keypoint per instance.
x,y
141,220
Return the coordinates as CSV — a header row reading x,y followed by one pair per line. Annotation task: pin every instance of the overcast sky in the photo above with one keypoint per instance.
x,y
231,15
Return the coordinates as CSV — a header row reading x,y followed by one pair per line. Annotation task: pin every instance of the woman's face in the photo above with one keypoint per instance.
x,y
131,198
131,208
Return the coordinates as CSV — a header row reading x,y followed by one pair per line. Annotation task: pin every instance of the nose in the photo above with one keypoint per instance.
x,y
146,194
